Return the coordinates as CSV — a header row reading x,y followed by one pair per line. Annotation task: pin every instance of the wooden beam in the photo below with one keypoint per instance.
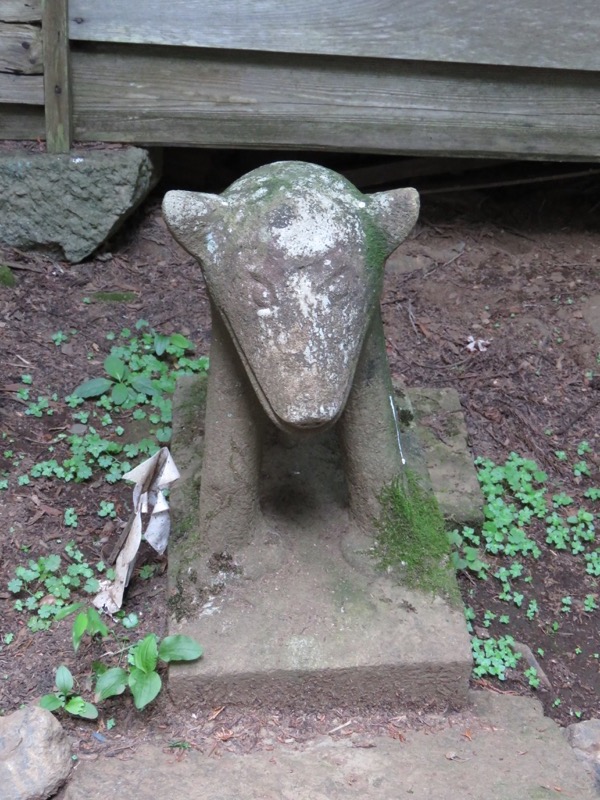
x,y
21,122
177,96
57,84
22,89
20,11
528,33
20,49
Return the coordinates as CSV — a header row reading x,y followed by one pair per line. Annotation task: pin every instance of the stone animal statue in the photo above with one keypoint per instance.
x,y
293,256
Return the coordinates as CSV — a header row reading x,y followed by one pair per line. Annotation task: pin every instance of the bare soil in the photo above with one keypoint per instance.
x,y
513,266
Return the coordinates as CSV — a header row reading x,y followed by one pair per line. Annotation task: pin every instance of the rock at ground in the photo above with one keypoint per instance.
x,y
585,741
35,755
442,432
70,204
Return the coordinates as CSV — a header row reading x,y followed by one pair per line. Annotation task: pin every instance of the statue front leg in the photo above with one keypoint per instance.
x,y
369,435
229,513
231,461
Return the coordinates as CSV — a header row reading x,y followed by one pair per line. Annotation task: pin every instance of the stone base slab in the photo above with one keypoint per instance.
x,y
314,631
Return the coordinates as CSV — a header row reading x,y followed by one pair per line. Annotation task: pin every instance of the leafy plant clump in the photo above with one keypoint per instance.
x,y
141,373
411,535
64,697
517,497
140,676
44,587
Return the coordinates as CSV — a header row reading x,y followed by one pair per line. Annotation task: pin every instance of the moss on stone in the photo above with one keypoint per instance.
x,y
7,277
114,297
411,537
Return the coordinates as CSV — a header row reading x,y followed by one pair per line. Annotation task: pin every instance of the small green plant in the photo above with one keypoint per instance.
x,y
70,518
141,676
581,468
59,338
42,588
123,384
107,509
86,622
64,697
130,621
566,604
532,677
590,604
493,656
147,571
179,744
465,553
532,609
583,448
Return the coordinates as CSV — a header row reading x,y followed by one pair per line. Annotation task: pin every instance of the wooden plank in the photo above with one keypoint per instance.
x,y
57,83
20,10
22,89
168,96
20,49
533,33
21,122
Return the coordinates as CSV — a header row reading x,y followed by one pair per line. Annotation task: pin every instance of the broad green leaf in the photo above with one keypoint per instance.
x,y
116,368
95,624
51,702
160,343
119,394
179,340
113,681
79,708
143,386
89,711
79,628
93,387
145,654
64,679
66,610
179,648
144,686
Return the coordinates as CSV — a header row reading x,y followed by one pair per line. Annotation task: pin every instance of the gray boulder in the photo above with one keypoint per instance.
x,y
69,204
35,756
584,738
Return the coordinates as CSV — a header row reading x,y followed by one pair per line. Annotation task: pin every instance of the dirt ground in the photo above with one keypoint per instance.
x,y
514,266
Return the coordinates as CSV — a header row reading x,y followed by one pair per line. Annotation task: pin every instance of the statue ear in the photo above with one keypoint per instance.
x,y
395,213
188,214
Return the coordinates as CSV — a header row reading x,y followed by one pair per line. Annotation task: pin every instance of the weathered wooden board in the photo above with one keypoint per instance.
x,y
22,89
20,10
20,49
534,33
184,97
57,78
21,122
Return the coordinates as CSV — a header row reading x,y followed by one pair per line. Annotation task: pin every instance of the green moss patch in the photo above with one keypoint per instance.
x,y
411,536
114,297
7,277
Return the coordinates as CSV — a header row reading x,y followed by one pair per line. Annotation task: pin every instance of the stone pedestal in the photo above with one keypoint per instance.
x,y
315,631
